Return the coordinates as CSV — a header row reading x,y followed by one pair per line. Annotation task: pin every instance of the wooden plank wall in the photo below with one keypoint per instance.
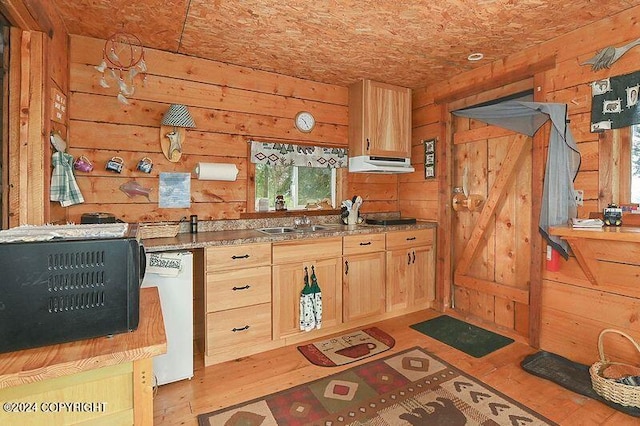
x,y
573,313
229,104
418,197
41,65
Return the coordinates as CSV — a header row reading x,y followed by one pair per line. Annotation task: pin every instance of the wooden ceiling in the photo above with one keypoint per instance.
x,y
408,43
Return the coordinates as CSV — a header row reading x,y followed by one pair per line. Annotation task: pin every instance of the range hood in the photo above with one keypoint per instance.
x,y
377,164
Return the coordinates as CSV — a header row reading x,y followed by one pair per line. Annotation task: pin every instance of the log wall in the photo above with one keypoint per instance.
x,y
229,104
572,312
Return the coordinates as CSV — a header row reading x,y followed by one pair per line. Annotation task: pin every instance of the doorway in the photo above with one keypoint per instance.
x,y
491,246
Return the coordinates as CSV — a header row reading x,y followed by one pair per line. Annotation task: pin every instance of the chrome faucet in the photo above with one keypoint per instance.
x,y
302,222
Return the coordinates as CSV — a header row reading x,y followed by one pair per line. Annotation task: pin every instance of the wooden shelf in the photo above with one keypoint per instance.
x,y
601,253
610,233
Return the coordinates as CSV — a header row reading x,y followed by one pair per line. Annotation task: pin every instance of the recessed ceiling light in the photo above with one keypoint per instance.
x,y
475,56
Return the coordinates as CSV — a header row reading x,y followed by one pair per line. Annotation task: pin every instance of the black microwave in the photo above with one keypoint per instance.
x,y
60,291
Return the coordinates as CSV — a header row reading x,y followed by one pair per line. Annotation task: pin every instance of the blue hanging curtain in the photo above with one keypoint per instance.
x,y
563,157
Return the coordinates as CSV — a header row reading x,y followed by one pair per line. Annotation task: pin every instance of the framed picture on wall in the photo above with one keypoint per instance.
x,y
429,158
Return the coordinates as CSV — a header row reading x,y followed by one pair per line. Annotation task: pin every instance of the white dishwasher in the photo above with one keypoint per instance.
x,y
172,273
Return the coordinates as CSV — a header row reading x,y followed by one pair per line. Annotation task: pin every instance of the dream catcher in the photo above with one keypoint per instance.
x,y
122,61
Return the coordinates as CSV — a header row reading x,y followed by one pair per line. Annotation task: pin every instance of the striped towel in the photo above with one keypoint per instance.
x,y
64,187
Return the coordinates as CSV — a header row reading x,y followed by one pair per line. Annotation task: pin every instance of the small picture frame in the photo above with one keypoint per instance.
x,y
429,172
429,158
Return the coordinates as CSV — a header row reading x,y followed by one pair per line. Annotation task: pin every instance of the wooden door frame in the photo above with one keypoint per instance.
x,y
27,130
538,161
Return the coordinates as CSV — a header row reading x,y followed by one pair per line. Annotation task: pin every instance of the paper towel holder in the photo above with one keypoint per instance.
x,y
172,131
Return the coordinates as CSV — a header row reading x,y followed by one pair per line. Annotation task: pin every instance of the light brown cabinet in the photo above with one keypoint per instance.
x,y
289,261
251,298
363,279
379,119
237,301
410,273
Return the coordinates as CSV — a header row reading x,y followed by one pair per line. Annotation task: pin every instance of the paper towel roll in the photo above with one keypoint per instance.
x,y
216,171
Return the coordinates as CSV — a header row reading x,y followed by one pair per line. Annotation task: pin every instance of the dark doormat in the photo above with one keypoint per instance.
x,y
468,338
570,375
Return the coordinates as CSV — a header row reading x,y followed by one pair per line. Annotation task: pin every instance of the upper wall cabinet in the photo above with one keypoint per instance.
x,y
379,119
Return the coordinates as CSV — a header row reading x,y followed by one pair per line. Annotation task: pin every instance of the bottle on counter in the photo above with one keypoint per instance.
x,y
194,224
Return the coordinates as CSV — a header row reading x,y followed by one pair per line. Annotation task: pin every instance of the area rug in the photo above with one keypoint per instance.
x,y
570,375
347,348
413,387
468,338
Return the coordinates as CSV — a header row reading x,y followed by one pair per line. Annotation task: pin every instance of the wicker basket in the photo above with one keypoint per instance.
x,y
158,230
609,389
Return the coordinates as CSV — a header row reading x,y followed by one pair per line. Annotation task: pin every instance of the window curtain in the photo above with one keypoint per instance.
x,y
285,154
563,157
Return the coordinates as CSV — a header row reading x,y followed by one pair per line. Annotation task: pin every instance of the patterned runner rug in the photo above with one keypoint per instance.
x,y
412,387
348,348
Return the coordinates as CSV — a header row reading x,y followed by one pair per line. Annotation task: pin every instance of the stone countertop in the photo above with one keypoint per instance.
x,y
187,241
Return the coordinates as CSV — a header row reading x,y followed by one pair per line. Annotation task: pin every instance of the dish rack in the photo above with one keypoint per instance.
x,y
158,230
609,388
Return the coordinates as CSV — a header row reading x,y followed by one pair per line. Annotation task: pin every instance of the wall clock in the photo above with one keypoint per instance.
x,y
305,122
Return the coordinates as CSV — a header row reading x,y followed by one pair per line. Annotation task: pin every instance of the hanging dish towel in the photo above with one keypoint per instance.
x,y
317,299
307,314
64,187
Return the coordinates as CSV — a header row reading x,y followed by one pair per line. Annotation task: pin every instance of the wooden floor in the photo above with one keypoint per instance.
x,y
232,382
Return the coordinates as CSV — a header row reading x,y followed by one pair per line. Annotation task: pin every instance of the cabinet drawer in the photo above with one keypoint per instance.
x,y
242,326
237,288
412,238
365,243
297,251
240,256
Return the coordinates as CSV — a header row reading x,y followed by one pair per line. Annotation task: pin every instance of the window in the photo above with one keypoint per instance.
x,y
299,185
635,164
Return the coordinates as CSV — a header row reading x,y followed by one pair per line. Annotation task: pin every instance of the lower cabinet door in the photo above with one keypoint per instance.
x,y
410,278
288,282
422,292
363,285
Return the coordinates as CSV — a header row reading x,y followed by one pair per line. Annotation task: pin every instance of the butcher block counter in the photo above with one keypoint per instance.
x,y
108,380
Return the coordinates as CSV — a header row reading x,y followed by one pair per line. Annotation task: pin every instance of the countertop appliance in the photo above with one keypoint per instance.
x,y
68,288
391,221
98,217
172,273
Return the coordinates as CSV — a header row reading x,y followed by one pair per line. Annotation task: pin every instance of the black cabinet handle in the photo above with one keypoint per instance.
x,y
411,238
414,257
367,144
244,287
346,267
409,260
246,256
235,330
368,243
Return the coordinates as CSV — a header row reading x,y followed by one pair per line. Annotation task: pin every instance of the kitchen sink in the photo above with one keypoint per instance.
x,y
277,230
290,229
312,228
